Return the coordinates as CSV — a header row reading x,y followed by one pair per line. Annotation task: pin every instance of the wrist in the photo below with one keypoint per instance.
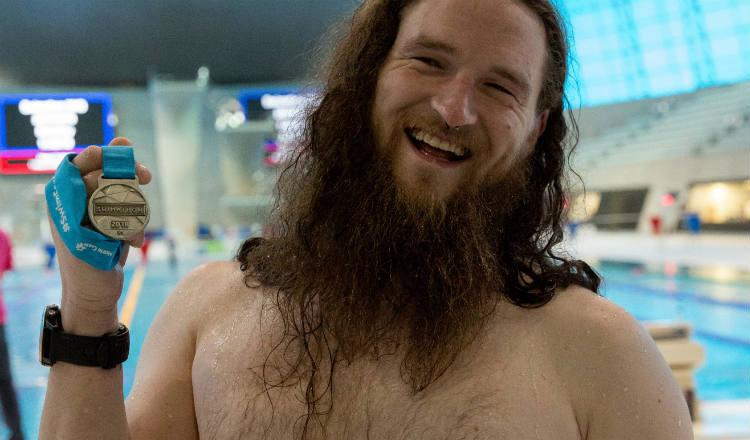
x,y
88,321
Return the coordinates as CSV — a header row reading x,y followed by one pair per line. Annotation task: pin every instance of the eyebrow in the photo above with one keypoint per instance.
x,y
425,42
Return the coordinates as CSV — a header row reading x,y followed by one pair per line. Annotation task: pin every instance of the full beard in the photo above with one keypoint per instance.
x,y
362,262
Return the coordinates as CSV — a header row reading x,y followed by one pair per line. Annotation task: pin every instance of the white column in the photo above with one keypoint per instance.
x,y
177,109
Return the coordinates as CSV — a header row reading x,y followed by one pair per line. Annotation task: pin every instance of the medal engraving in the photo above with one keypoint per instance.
x,y
118,208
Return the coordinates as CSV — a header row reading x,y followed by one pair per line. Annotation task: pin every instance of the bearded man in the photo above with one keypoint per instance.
x,y
410,288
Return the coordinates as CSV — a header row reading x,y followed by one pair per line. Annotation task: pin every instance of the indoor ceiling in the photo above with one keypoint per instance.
x,y
123,42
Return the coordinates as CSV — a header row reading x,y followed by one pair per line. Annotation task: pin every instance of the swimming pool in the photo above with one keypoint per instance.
x,y
715,301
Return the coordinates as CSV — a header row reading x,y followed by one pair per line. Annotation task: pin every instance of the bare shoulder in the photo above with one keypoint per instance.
x,y
160,404
211,281
212,288
620,384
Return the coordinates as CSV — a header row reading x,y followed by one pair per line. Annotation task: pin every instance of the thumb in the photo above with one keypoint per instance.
x,y
124,255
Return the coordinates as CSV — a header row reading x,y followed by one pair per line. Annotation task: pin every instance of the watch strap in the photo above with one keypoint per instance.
x,y
105,351
118,162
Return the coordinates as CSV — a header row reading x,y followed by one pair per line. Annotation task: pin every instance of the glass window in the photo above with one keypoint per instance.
x,y
644,48
720,203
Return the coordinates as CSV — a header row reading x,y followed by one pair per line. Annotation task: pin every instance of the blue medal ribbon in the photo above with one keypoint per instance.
x,y
67,204
118,162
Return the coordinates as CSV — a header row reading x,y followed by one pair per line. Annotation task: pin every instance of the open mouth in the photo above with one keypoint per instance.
x,y
435,148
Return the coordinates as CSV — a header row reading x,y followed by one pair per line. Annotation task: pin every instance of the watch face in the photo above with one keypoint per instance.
x,y
50,322
119,210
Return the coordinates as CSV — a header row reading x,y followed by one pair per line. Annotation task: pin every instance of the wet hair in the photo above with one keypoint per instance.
x,y
337,139
349,80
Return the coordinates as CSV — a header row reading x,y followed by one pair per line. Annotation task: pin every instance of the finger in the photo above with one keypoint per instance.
x,y
89,159
138,239
124,255
91,181
120,141
143,173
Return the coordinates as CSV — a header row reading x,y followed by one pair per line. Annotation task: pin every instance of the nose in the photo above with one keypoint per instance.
x,y
455,103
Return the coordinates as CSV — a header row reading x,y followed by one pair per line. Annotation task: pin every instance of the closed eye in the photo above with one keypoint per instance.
x,y
429,61
500,88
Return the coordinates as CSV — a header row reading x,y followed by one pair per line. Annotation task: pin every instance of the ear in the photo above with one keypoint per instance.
x,y
540,125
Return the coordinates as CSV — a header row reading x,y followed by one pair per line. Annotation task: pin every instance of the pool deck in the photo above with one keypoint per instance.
x,y
723,420
683,249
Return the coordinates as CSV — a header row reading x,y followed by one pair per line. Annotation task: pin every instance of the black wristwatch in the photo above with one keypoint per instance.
x,y
106,351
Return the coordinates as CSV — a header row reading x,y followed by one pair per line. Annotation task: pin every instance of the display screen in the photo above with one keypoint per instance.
x,y
285,107
256,101
619,209
719,206
37,131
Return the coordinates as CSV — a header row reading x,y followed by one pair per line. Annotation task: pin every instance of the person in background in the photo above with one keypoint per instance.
x,y
171,252
7,391
49,250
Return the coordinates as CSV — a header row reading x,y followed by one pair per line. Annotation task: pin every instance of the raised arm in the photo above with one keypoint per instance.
x,y
160,405
81,401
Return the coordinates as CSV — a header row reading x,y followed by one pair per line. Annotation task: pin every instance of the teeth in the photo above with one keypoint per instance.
x,y
438,143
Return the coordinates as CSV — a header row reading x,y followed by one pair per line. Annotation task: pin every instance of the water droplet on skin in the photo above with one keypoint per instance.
x,y
679,423
625,389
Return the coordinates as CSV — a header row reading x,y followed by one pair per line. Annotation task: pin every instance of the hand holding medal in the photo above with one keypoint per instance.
x,y
108,178
101,181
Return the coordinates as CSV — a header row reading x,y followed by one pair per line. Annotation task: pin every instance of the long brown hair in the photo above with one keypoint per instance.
x,y
338,141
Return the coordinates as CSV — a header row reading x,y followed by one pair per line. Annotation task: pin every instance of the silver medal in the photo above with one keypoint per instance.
x,y
118,208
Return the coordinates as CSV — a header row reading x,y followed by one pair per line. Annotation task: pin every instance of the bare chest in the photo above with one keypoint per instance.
x,y
519,398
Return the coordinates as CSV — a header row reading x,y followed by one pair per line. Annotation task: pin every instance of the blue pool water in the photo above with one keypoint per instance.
x,y
716,303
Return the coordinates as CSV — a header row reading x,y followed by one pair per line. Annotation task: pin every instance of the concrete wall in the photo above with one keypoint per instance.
x,y
667,176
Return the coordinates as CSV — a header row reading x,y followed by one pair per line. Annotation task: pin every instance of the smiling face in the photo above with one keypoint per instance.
x,y
475,66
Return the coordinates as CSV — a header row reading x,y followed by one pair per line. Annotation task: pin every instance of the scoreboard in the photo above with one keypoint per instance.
x,y
38,130
283,105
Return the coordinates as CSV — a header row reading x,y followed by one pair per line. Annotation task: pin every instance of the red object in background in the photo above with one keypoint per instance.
x,y
655,224
667,200
670,269
17,165
6,263
17,161
144,250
